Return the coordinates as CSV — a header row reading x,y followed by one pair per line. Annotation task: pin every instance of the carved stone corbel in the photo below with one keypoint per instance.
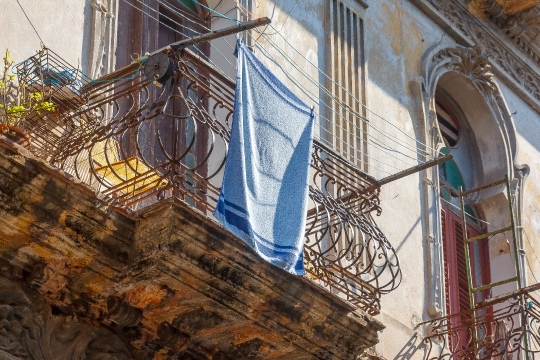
x,y
29,330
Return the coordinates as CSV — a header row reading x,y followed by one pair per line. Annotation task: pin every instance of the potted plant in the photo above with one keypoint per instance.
x,y
15,102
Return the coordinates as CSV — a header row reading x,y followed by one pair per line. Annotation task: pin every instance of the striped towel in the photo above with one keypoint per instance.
x,y
264,194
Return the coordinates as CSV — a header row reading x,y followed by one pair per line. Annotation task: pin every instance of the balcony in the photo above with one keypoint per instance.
x,y
140,144
505,327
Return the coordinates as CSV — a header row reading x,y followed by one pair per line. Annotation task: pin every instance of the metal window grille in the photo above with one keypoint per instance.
x,y
349,132
246,36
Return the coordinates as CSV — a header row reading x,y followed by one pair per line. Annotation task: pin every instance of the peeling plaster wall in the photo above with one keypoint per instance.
x,y
397,35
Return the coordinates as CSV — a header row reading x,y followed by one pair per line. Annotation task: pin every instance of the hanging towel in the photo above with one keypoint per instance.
x,y
263,198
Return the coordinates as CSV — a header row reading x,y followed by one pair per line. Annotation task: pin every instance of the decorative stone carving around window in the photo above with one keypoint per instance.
x,y
504,40
471,64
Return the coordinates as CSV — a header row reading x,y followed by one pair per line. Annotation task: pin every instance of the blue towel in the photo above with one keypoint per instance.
x,y
264,194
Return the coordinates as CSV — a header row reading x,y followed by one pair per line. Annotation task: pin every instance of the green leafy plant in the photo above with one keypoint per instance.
x,y
15,98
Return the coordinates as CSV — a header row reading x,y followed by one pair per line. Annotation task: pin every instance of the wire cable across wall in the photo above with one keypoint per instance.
x,y
386,148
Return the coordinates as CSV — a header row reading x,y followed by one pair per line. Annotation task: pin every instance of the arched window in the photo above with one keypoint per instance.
x,y
455,175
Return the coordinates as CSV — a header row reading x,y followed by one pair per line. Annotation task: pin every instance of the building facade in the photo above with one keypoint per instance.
x,y
422,223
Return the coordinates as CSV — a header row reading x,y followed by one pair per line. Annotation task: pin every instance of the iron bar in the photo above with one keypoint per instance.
x,y
215,34
488,234
414,169
480,188
504,297
492,285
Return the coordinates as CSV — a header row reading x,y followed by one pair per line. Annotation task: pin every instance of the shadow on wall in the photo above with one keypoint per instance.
x,y
414,345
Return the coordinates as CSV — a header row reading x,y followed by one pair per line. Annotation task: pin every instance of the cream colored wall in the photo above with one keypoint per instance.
x,y
397,35
400,34
60,23
527,123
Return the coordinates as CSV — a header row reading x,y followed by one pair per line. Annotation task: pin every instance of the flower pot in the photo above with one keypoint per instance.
x,y
15,134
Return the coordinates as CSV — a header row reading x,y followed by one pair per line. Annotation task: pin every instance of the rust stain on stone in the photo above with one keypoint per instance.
x,y
477,8
162,354
162,293
516,6
143,296
510,7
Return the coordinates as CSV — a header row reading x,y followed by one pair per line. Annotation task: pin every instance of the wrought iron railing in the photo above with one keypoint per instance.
x,y
506,328
146,143
58,82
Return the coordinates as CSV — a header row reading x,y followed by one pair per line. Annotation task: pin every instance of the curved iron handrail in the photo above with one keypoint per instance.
x,y
148,143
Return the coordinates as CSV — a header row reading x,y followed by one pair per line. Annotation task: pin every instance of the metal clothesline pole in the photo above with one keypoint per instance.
x,y
213,35
414,169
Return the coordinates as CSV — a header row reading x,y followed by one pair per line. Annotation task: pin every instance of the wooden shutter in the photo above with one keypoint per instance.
x,y
455,273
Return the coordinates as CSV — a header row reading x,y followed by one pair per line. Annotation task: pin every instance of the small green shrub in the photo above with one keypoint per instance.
x,y
15,98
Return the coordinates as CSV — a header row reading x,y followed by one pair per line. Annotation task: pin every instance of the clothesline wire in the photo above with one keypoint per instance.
x,y
346,109
469,215
315,98
286,18
356,150
320,71
175,30
32,25
178,11
333,110
334,82
363,119
344,152
417,151
185,27
347,91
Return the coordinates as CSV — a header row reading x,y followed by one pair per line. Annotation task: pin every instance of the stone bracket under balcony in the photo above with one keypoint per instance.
x,y
165,282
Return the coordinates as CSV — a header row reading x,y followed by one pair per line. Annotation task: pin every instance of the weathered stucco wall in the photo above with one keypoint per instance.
x,y
61,25
527,122
397,36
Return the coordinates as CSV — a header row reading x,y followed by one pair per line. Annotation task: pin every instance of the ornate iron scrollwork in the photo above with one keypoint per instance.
x,y
502,330
151,143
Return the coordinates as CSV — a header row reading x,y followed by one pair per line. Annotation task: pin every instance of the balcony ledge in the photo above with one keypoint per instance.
x,y
164,282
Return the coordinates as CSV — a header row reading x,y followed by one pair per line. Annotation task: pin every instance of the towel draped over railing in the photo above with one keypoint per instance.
x,y
141,144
